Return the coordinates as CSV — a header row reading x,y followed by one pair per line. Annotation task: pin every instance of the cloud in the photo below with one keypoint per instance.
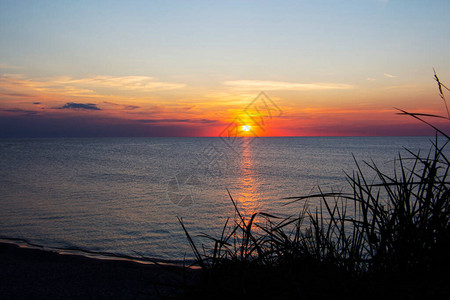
x,y
77,106
156,121
370,79
49,85
389,75
21,111
128,83
36,103
122,106
131,107
96,86
19,95
281,85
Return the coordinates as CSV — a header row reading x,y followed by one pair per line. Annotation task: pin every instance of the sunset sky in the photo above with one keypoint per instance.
x,y
190,68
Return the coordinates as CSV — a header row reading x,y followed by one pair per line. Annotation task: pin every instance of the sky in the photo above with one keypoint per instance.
x,y
198,68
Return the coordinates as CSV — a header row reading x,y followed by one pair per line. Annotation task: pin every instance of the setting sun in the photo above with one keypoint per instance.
x,y
246,128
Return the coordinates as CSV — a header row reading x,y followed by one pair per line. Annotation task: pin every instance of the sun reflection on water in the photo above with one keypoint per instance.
x,y
248,197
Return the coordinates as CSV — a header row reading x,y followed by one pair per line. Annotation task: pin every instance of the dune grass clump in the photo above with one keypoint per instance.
x,y
387,237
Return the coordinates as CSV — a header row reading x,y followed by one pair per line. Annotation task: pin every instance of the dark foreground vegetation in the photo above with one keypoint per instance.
x,y
387,238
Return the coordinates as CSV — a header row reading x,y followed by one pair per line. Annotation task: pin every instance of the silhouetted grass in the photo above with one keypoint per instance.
x,y
388,237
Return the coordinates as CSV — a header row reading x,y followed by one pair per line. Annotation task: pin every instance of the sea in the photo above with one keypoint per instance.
x,y
126,196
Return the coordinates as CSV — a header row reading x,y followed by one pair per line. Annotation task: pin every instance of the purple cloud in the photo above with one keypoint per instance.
x,y
86,106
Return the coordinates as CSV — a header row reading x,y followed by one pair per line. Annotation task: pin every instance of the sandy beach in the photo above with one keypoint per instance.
x,y
36,274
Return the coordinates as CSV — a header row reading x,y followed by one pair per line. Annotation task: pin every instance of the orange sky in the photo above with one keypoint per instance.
x,y
189,69
178,110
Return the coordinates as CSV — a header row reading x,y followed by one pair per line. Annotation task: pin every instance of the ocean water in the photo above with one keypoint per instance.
x,y
123,195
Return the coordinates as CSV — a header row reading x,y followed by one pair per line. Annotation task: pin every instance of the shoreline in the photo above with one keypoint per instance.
x,y
23,243
38,273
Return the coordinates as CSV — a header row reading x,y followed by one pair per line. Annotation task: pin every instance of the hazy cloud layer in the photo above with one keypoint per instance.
x,y
95,86
18,95
20,111
201,121
90,126
263,85
131,107
389,75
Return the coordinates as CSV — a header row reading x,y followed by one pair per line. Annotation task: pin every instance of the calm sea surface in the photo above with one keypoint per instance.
x,y
123,195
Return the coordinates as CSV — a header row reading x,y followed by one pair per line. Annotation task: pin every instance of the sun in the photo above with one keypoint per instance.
x,y
246,127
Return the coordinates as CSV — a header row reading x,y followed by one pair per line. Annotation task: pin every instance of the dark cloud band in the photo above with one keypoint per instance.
x,y
85,106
